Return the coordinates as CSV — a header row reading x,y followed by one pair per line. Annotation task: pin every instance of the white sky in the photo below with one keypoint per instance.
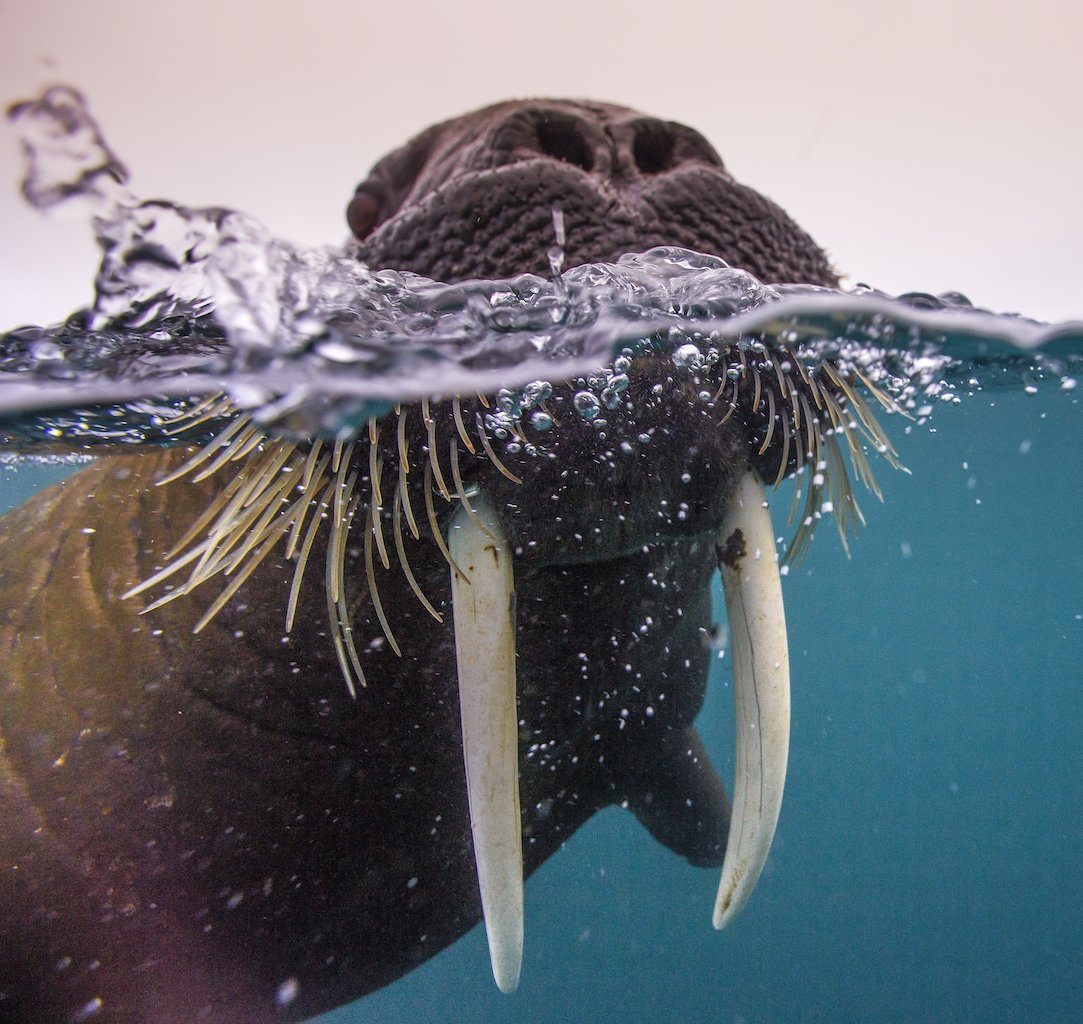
x,y
935,145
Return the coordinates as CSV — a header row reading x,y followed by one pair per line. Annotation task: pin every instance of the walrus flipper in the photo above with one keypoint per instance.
x,y
682,801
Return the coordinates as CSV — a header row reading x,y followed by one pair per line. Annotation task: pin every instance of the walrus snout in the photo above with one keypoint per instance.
x,y
474,197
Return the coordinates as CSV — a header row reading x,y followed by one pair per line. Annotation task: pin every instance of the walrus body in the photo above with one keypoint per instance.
x,y
209,827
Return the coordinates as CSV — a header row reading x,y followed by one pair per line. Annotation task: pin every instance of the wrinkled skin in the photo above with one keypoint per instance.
x,y
473,197
191,822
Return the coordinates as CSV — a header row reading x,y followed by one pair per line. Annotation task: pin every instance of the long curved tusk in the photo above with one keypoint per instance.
x,y
761,690
484,614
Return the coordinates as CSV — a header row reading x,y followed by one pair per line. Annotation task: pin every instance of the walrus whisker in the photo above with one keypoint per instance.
x,y
802,538
205,452
225,455
340,446
770,423
272,538
344,622
310,463
275,457
404,452
780,374
374,591
813,497
306,549
889,403
857,454
163,574
721,387
793,359
847,423
245,506
798,451
206,409
207,515
257,524
757,387
461,491
784,461
435,526
271,504
434,458
250,442
460,426
349,663
345,479
311,481
848,515
227,530
377,509
733,401
484,438
403,489
812,427
404,563
866,422
794,408
374,477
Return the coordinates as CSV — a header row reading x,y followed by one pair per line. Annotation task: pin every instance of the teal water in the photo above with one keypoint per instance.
x,y
929,859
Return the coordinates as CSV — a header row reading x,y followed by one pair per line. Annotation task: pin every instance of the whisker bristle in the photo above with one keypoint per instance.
x,y
404,563
374,591
484,438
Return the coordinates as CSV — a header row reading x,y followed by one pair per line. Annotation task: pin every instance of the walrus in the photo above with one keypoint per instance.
x,y
210,815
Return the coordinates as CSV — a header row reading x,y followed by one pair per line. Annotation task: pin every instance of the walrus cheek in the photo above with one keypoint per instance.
x,y
704,209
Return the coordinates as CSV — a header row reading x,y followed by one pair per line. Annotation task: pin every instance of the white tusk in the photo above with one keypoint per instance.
x,y
484,613
761,690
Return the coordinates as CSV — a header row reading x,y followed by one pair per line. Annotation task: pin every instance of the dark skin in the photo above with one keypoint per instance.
x,y
210,818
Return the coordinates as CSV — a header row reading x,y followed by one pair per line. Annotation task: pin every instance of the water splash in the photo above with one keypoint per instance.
x,y
192,302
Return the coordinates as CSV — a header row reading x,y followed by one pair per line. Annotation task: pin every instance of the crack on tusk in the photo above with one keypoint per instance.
x,y
484,614
761,688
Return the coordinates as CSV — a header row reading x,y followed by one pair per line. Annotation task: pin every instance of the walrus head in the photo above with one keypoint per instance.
x,y
580,556
473,197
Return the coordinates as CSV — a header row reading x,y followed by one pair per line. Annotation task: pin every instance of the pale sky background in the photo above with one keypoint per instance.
x,y
931,144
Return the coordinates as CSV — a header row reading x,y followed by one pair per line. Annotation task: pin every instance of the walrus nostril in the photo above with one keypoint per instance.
x,y
653,147
362,215
563,140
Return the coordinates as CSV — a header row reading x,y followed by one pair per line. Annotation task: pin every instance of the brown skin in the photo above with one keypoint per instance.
x,y
205,817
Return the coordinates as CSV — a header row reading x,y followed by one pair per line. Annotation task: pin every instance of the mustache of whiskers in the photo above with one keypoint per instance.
x,y
282,492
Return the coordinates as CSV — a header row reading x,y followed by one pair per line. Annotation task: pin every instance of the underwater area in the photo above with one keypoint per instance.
x,y
926,865
927,861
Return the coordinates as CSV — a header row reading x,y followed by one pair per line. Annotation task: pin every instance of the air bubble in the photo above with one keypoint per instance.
x,y
688,357
587,405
